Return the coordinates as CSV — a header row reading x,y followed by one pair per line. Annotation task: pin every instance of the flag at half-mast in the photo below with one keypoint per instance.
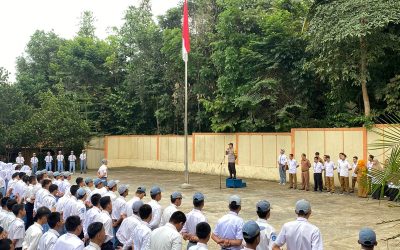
x,y
185,32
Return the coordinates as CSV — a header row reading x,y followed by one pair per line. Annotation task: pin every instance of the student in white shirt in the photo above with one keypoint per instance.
x,y
82,158
92,214
34,163
344,168
119,210
35,231
282,163
4,211
70,240
142,233
139,195
72,159
49,238
370,162
155,194
168,237
88,187
16,230
60,162
20,160
97,235
317,165
10,216
176,201
99,187
251,235
300,234
268,234
292,165
102,172
112,188
193,218
329,167
48,160
203,235
354,175
41,193
128,225
80,207
70,207
105,218
228,231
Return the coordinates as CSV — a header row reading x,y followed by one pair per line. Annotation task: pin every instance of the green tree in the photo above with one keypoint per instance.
x,y
87,26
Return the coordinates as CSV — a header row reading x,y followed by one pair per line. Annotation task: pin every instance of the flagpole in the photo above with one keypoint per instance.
x,y
186,125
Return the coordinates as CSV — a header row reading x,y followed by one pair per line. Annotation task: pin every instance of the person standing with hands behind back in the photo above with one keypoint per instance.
x,y
305,172
230,152
282,164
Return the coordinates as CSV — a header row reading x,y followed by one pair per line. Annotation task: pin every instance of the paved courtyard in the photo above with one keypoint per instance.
x,y
339,217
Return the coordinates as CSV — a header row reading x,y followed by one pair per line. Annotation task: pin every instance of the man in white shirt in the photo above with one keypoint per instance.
x,y
300,234
34,163
72,160
97,235
105,218
35,232
203,235
20,160
70,207
155,194
80,207
228,231
251,235
268,234
92,214
41,193
70,240
102,172
49,238
329,167
168,237
16,232
99,187
50,200
193,218
139,195
112,188
282,163
82,158
292,165
119,210
10,216
141,235
344,167
317,165
65,184
48,160
128,225
60,162
176,201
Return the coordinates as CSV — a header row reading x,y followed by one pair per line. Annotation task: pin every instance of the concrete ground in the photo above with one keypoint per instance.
x,y
339,217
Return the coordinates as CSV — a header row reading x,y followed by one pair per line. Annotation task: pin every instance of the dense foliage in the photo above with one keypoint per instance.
x,y
255,65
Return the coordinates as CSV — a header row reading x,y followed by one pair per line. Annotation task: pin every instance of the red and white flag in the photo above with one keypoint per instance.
x,y
185,32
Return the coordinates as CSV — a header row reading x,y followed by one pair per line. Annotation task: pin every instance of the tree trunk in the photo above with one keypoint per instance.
x,y
363,75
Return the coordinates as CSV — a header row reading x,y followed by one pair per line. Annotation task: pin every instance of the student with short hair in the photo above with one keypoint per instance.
x,y
139,195
367,239
97,235
343,169
119,210
268,233
292,165
105,218
129,225
49,238
176,201
168,237
193,218
317,165
329,167
50,200
142,233
155,194
70,240
16,230
92,213
203,234
35,232
251,235
10,216
4,211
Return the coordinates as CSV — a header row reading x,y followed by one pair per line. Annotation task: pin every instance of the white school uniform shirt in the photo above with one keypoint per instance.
x,y
64,186
156,212
344,168
267,235
80,210
118,208
11,184
230,227
129,205
292,164
166,238
102,191
34,160
282,159
2,178
167,213
61,203
199,246
82,157
112,195
141,237
329,167
193,218
103,170
32,237
92,246
48,158
50,202
105,218
317,167
60,157
3,214
70,207
26,169
72,158
20,188
354,167
39,198
20,160
370,164
8,219
88,193
17,231
48,240
126,230
300,235
91,216
69,241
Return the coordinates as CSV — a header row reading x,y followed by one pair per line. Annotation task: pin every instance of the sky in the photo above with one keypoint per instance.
x,y
20,18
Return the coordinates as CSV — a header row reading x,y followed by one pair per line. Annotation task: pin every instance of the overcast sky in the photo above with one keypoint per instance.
x,y
20,18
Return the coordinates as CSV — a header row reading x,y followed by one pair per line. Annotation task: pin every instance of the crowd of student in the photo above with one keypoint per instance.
x,y
45,211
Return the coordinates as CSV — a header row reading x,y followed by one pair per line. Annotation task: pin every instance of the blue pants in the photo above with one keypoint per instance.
x,y
48,166
60,166
282,174
72,166
83,166
34,168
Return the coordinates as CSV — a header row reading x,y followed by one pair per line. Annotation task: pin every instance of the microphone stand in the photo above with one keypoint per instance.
x,y
220,172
